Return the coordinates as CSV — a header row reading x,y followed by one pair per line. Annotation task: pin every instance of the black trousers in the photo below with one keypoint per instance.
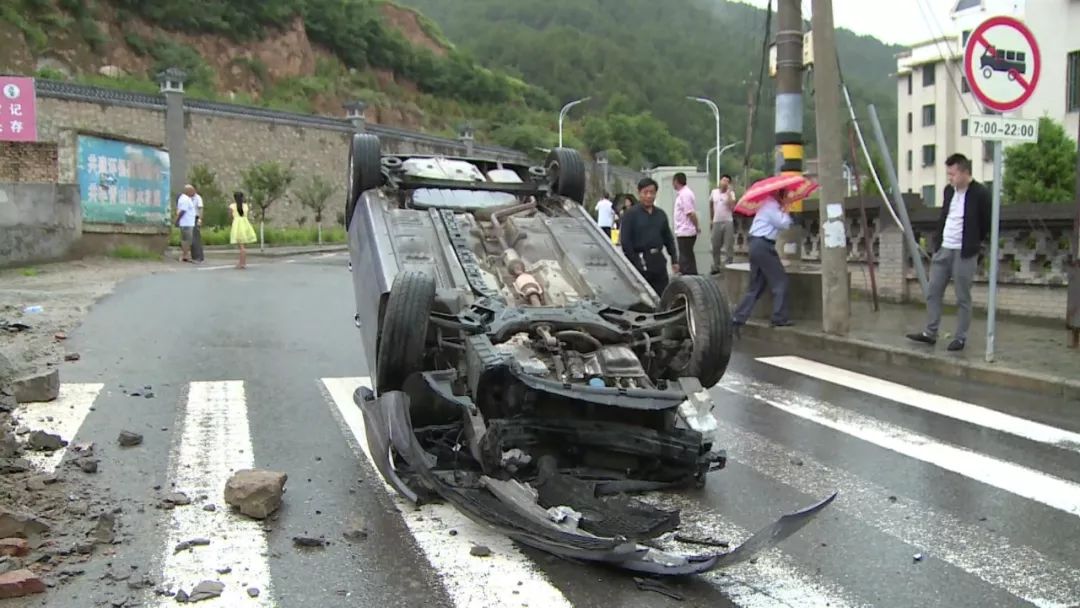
x,y
607,230
196,244
653,267
687,259
766,272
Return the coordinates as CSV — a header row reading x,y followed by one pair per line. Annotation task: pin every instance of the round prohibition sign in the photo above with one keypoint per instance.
x,y
1002,63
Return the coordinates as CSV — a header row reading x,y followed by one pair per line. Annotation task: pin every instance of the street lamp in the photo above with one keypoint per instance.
x,y
564,110
722,150
602,160
716,114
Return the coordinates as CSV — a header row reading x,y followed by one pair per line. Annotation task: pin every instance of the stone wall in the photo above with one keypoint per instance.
x,y
38,222
28,162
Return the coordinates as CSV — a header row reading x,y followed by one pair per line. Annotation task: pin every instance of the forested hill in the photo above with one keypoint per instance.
x,y
647,55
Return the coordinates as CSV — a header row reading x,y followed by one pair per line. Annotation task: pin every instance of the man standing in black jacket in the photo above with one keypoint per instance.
x,y
963,227
644,234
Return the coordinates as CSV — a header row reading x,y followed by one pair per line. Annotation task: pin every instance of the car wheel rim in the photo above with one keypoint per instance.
x,y
691,322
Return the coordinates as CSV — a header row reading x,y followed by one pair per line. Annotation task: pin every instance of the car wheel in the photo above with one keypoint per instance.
x,y
987,72
566,174
403,330
365,170
708,328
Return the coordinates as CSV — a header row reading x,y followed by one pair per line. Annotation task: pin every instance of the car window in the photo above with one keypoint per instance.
x,y
461,199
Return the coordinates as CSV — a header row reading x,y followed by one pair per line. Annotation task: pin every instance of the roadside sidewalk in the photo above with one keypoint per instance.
x,y
1029,354
230,251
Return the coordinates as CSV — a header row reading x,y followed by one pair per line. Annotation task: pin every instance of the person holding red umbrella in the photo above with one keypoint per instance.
x,y
769,201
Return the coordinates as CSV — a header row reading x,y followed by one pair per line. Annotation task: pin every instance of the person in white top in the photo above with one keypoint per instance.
x,y
605,214
962,228
766,270
185,220
722,201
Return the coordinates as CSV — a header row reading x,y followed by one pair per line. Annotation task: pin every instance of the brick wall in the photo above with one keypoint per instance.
x,y
24,162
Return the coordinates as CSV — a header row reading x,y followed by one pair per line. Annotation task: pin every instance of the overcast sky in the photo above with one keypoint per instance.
x,y
893,21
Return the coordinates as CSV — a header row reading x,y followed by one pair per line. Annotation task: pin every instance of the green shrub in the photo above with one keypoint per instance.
x,y
277,237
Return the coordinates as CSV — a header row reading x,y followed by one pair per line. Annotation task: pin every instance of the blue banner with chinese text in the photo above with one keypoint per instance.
x,y
123,183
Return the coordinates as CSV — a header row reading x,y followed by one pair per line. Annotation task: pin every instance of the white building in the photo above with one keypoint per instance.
x,y
934,100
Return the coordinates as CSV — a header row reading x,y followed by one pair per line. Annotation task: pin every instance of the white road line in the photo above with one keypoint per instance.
x,y
62,417
1019,570
507,578
213,443
328,255
1022,481
216,267
773,580
953,408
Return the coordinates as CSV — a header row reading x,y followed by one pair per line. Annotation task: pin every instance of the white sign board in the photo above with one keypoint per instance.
x,y
1002,128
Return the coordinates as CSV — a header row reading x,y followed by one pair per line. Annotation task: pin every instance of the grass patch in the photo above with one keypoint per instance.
x,y
275,237
30,272
131,252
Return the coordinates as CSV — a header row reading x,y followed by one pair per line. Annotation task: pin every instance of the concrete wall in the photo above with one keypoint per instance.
x,y
28,162
38,222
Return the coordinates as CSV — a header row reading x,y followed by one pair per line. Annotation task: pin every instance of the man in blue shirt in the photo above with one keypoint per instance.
x,y
765,267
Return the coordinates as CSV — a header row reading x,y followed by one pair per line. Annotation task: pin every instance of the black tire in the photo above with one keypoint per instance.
x,y
566,173
403,330
365,170
708,327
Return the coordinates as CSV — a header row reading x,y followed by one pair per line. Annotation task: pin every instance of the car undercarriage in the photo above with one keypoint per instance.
x,y
523,370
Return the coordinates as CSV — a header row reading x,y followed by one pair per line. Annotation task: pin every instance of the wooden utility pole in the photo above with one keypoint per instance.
x,y
836,305
751,93
789,107
1072,306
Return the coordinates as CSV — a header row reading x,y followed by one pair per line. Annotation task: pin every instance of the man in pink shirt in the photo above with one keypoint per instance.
x,y
686,224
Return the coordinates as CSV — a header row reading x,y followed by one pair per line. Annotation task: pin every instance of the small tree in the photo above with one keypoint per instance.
x,y
215,211
265,184
1041,172
315,194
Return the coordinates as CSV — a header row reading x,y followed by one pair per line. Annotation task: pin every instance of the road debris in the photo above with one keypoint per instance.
x,y
72,357
253,592
206,590
648,584
87,465
187,545
480,551
129,439
309,542
175,499
37,387
14,547
255,492
14,524
103,532
41,441
918,557
20,583
709,542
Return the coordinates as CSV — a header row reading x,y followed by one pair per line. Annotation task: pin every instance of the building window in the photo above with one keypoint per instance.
x,y
963,127
929,116
910,122
928,195
909,83
1072,82
928,73
964,37
929,153
964,86
910,154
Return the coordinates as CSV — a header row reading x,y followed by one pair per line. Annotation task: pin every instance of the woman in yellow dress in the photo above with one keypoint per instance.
x,y
242,233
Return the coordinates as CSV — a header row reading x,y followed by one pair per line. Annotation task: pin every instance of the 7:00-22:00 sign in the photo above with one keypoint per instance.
x,y
1000,127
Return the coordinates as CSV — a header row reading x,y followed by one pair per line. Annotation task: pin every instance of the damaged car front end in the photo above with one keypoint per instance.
x,y
522,369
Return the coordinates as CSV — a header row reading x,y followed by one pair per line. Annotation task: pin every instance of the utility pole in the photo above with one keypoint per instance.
x,y
751,93
836,306
789,107
1072,306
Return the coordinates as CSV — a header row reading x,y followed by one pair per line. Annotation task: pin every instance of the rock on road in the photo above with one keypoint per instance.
x,y
949,495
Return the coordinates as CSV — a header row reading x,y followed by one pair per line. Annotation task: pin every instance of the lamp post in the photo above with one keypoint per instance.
x,y
602,160
564,110
716,114
722,150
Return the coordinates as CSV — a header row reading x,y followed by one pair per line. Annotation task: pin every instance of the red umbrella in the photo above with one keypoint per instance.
x,y
762,189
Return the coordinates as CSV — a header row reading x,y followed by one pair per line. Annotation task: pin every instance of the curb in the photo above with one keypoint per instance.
x,y
983,373
269,252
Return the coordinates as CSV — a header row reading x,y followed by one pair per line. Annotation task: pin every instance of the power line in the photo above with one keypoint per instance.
x,y
754,114
946,56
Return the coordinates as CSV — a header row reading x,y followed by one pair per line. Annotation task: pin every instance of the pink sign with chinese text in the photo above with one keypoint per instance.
x,y
18,109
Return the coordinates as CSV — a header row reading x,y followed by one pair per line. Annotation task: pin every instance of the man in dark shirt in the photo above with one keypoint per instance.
x,y
645,233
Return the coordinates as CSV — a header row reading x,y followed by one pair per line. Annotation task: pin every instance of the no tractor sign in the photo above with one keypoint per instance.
x,y
1002,63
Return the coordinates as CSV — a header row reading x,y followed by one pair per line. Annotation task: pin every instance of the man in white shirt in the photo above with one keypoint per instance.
x,y
196,236
605,214
185,220
722,201
766,270
962,228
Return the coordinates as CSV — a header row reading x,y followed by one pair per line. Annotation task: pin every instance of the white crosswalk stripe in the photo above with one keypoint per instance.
x,y
213,439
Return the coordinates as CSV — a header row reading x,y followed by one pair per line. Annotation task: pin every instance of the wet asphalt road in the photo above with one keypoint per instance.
x,y
990,506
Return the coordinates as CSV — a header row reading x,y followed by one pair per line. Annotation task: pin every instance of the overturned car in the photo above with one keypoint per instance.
x,y
522,368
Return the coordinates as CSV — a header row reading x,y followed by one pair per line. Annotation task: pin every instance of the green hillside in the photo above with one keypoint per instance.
x,y
643,55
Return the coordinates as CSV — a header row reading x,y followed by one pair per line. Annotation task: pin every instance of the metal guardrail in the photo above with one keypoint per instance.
x,y
94,94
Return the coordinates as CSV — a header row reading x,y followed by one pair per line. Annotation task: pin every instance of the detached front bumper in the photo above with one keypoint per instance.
x,y
511,508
